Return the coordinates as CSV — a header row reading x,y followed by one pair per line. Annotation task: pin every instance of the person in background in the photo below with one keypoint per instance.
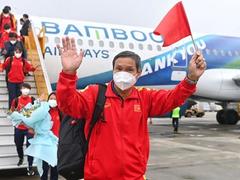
x,y
7,17
25,26
56,119
21,21
11,44
15,68
175,119
21,131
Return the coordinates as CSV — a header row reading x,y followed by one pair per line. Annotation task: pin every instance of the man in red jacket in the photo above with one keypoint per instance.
x,y
119,145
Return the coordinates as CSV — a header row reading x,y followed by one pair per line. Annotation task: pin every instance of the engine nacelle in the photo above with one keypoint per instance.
x,y
219,84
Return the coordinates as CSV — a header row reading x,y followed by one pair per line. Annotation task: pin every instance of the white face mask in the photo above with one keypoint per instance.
x,y
52,103
25,91
13,41
124,80
18,55
8,30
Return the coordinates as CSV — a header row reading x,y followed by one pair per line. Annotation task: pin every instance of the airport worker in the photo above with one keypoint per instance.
x,y
55,118
119,144
6,17
15,67
21,131
175,118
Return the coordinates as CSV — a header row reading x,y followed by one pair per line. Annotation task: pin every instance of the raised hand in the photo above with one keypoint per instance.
x,y
197,66
71,59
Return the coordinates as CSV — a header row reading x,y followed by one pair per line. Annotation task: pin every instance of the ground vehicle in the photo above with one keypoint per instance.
x,y
194,112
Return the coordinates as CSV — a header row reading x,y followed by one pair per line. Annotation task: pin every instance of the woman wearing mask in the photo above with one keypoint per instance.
x,y
16,66
55,118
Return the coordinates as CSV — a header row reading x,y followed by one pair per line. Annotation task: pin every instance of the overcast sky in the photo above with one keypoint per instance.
x,y
205,16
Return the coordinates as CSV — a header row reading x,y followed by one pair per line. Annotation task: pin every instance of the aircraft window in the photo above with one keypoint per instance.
x,y
208,51
131,46
159,48
90,42
121,45
140,46
111,44
215,52
46,39
223,53
149,47
230,53
80,42
236,53
101,43
57,40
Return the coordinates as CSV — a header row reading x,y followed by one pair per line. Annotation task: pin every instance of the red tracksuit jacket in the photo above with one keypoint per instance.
x,y
16,73
7,20
55,118
119,144
4,38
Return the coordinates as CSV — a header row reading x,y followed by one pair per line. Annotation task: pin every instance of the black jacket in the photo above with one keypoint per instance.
x,y
10,49
25,27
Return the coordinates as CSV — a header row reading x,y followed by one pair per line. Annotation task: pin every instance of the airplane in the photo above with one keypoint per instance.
x,y
161,67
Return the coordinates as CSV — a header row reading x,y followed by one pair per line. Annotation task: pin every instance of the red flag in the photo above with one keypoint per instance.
x,y
174,25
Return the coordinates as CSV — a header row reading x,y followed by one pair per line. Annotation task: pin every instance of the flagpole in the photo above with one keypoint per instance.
x,y
194,44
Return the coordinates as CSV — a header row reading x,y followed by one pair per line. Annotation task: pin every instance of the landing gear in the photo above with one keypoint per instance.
x,y
228,116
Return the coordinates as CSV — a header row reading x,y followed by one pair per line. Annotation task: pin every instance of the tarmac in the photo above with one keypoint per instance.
x,y
202,150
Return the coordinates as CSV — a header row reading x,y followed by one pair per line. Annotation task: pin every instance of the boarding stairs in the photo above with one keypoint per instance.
x,y
40,84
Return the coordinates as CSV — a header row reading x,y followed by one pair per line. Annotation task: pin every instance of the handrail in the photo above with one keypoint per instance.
x,y
42,63
41,39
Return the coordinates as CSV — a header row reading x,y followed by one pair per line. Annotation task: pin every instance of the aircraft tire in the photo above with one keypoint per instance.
x,y
220,117
231,117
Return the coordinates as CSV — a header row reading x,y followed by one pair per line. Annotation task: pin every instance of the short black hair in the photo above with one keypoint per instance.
x,y
18,47
12,34
21,19
6,26
25,16
26,85
131,55
8,7
51,94
5,10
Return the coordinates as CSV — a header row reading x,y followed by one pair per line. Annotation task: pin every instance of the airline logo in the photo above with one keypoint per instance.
x,y
100,32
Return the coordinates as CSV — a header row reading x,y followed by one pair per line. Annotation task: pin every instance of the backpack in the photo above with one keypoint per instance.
x,y
16,101
73,145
